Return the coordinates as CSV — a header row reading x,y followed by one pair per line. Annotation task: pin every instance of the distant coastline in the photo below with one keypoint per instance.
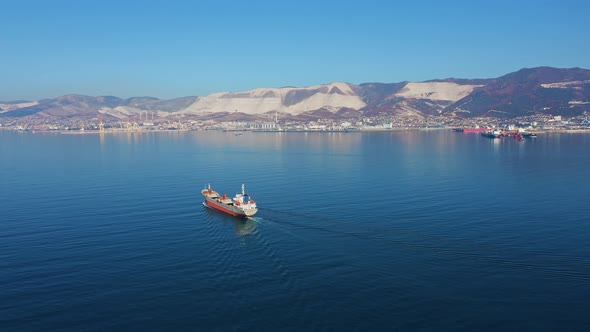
x,y
364,130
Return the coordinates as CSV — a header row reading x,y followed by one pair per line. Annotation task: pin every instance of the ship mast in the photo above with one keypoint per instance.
x,y
243,192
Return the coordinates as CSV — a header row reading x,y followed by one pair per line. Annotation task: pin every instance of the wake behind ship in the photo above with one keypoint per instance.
x,y
240,206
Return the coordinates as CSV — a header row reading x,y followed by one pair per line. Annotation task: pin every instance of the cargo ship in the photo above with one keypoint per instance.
x,y
492,134
470,130
240,206
474,130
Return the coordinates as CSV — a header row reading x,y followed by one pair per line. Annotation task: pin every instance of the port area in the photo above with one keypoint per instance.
x,y
513,133
241,131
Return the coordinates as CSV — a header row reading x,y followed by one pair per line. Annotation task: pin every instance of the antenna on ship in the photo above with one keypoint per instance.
x,y
243,192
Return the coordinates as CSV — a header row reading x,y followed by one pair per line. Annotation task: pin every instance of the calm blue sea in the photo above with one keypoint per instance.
x,y
418,230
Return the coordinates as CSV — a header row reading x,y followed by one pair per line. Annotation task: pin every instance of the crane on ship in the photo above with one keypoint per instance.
x,y
135,124
100,124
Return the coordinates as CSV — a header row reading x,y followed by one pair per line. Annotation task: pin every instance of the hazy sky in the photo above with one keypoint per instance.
x,y
171,48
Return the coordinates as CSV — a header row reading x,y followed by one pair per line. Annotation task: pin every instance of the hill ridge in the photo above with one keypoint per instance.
x,y
540,89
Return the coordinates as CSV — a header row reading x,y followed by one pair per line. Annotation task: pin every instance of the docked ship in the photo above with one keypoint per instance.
x,y
470,130
492,134
242,205
474,130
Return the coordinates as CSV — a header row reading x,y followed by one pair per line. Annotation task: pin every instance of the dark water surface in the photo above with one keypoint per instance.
x,y
423,230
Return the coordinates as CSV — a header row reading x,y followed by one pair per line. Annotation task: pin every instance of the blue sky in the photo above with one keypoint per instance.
x,y
170,49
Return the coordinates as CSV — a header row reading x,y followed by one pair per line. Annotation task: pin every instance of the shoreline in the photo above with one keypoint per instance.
x,y
96,132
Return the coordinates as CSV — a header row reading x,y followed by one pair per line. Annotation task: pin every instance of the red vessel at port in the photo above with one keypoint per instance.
x,y
474,130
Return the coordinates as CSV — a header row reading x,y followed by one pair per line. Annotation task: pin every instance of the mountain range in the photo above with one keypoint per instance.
x,y
556,91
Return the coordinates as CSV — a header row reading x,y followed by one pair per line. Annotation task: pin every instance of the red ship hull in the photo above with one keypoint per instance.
x,y
474,130
220,207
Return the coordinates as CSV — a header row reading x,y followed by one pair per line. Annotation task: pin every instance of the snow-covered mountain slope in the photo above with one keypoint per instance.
x,y
333,97
15,106
447,91
576,85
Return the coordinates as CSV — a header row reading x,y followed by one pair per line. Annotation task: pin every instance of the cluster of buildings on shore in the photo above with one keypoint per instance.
x,y
532,122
